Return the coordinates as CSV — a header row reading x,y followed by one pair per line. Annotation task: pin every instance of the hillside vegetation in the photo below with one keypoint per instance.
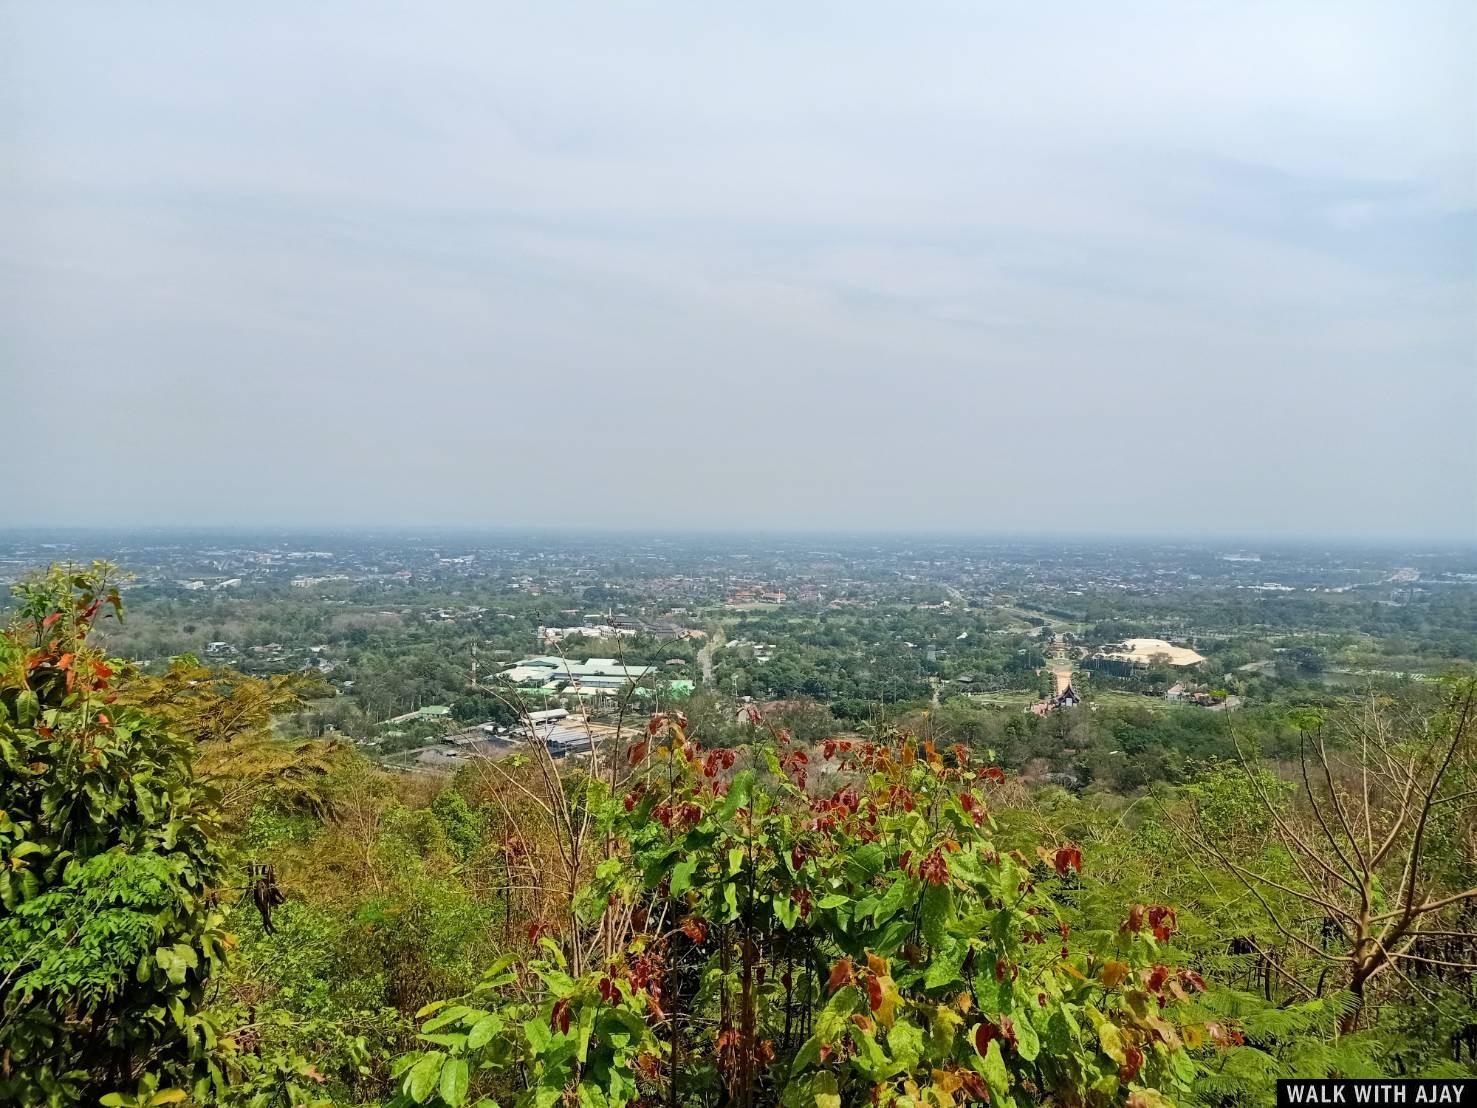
x,y
201,905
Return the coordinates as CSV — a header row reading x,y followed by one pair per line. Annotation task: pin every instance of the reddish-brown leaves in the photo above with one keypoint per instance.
x,y
717,760
934,869
842,973
974,1085
987,1031
982,1036
1155,978
1163,922
1133,1059
1068,857
1135,921
559,1017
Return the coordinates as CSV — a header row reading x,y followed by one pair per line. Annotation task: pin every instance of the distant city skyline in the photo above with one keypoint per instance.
x,y
1143,270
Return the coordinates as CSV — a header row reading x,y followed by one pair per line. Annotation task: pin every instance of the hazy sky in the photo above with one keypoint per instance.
x,y
1100,267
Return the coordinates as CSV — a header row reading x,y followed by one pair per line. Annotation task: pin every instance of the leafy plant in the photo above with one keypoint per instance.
x,y
109,931
840,933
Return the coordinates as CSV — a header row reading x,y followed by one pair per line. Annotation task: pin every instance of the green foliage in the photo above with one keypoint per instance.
x,y
1296,1040
109,931
230,716
461,825
870,943
763,922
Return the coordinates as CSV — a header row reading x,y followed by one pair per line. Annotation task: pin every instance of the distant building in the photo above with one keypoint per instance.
x,y
1065,695
430,711
598,677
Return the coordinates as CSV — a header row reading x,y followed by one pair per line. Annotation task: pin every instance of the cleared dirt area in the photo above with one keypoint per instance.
x,y
1144,651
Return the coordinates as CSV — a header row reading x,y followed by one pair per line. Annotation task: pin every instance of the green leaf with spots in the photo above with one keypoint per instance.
x,y
482,1032
1027,1042
454,1082
992,1067
938,913
826,1093
423,1076
905,1041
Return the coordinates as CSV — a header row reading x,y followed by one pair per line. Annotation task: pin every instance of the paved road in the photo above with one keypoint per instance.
x,y
1061,665
705,659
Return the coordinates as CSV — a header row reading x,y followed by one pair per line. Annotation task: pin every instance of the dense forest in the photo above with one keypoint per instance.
x,y
205,900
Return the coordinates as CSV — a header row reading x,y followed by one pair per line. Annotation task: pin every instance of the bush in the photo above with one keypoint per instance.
x,y
109,932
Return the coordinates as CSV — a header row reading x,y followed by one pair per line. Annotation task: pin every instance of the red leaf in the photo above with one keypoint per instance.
x,y
50,620
638,751
842,973
974,1085
1133,1058
1163,921
1156,978
934,869
1068,857
559,1017
986,1032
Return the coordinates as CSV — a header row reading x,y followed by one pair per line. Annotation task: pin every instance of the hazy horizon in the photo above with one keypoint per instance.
x,y
1158,271
72,534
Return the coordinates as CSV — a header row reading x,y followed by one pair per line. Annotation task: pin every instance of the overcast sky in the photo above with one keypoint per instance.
x,y
1169,268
